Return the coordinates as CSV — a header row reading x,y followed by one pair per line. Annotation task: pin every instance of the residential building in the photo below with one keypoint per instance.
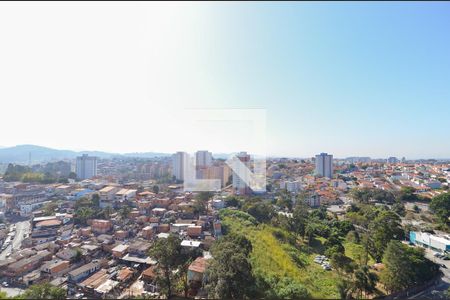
x,y
179,161
203,159
83,272
239,185
86,167
101,226
324,165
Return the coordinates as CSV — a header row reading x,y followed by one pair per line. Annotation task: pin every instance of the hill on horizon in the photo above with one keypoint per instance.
x,y
22,154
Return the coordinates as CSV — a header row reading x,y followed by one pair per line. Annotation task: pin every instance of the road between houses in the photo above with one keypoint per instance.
x,y
22,228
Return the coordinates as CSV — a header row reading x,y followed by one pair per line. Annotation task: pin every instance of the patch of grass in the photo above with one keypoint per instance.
x,y
273,257
356,252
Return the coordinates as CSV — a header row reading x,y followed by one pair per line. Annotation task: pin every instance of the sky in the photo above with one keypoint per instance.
x,y
351,79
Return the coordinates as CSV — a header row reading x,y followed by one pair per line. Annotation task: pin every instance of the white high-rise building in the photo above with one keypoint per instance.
x,y
203,159
239,185
179,161
324,165
86,167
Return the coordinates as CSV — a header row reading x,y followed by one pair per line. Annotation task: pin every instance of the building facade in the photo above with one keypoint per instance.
x,y
86,167
324,165
203,159
239,185
179,161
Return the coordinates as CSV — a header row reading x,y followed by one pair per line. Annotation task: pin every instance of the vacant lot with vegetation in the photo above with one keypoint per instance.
x,y
276,255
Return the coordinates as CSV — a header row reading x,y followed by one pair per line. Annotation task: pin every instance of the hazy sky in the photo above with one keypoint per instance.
x,y
369,79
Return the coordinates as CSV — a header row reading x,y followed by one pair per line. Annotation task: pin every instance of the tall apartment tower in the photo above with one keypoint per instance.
x,y
203,159
86,167
179,161
324,165
239,185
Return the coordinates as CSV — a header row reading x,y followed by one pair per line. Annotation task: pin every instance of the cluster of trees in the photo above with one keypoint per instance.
x,y
380,232
39,291
365,195
89,208
440,205
229,273
173,262
26,174
405,267
374,231
379,225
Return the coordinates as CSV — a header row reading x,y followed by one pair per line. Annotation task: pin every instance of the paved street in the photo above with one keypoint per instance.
x,y
436,291
22,228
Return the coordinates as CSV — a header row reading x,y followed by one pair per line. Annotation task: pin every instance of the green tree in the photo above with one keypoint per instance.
x,y
49,208
170,256
262,211
405,267
407,194
201,205
300,219
44,291
364,281
341,263
124,212
344,288
155,189
229,272
83,214
399,208
289,289
385,227
95,199
78,256
440,205
232,201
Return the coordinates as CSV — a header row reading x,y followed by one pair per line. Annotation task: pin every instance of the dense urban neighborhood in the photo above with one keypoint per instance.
x,y
124,227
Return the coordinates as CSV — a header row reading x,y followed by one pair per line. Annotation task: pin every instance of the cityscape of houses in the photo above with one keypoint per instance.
x,y
44,240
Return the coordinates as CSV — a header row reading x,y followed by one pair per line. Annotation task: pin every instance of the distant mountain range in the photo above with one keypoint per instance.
x,y
22,154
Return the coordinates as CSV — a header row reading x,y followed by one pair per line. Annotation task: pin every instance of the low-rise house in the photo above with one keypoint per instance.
x,y
147,232
196,270
125,275
120,250
101,226
163,228
107,196
121,234
149,279
83,272
28,264
86,232
66,254
139,248
125,194
90,284
55,267
194,231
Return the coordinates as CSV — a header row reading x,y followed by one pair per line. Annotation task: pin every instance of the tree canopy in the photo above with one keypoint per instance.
x,y
440,205
230,273
405,267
